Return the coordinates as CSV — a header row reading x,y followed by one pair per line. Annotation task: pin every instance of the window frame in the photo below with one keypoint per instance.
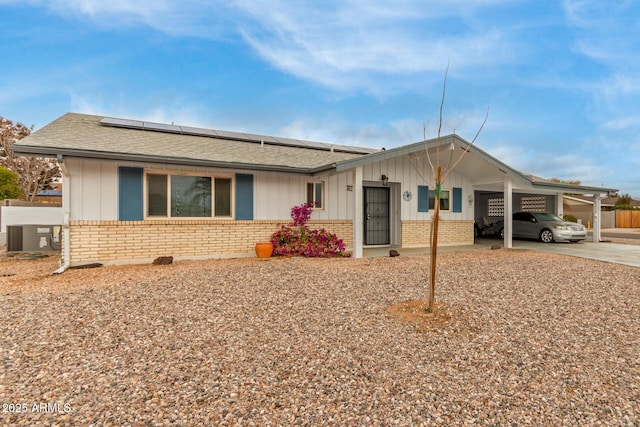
x,y
169,174
323,199
433,192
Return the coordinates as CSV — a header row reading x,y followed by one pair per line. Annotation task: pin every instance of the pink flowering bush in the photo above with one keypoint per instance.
x,y
297,239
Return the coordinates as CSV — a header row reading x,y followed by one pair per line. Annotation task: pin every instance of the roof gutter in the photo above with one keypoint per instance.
x,y
575,188
66,210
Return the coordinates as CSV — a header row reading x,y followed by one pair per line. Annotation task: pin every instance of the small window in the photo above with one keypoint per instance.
x,y
315,194
444,200
223,197
157,195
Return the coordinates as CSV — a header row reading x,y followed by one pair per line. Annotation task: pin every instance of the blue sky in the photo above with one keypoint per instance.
x,y
561,79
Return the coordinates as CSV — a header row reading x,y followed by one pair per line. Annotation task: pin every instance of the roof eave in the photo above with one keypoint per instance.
x,y
416,147
583,189
25,150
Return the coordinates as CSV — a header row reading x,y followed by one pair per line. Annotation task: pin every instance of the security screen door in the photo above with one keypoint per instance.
x,y
376,216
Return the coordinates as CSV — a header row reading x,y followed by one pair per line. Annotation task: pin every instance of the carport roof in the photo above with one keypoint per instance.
x,y
485,171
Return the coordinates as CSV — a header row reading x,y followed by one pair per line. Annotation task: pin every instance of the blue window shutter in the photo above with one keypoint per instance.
x,y
130,197
244,196
423,198
457,199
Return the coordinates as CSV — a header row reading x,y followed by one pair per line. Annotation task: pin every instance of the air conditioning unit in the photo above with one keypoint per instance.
x,y
34,238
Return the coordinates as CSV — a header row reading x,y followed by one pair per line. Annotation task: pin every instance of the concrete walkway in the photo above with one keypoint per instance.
x,y
608,252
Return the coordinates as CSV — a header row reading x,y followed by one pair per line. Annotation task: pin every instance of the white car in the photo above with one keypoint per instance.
x,y
545,226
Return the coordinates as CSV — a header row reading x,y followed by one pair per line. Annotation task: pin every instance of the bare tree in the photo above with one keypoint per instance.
x,y
438,174
35,173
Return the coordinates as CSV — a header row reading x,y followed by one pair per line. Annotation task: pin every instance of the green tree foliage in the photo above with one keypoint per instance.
x,y
566,181
624,202
9,184
35,173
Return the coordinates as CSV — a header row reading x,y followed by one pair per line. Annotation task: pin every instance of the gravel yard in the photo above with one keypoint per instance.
x,y
529,339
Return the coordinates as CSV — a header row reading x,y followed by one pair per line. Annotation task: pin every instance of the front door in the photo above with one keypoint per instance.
x,y
376,215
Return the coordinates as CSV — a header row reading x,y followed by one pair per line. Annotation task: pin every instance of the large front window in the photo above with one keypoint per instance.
x,y
187,196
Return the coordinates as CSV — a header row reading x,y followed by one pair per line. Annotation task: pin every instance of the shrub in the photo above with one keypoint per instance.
x,y
570,218
297,239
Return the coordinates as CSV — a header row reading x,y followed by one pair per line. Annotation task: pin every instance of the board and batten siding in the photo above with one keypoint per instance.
x,y
276,193
94,190
400,170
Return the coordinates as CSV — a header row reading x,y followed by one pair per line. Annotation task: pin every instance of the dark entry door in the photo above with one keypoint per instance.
x,y
376,216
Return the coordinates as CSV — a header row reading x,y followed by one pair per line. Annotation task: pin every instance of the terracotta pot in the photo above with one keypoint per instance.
x,y
264,249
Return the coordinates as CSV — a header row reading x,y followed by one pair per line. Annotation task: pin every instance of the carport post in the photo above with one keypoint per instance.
x,y
597,223
358,213
508,213
560,204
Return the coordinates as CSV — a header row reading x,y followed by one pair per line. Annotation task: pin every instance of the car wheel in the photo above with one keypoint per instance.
x,y
546,236
501,233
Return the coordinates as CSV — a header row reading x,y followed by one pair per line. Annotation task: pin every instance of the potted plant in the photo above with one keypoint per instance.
x,y
264,249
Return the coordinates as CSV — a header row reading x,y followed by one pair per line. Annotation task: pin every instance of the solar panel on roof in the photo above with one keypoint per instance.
x,y
230,135
261,138
235,136
162,127
122,122
198,131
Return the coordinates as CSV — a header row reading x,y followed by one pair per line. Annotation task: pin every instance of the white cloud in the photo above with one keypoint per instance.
x,y
345,45
353,44
200,18
186,113
622,123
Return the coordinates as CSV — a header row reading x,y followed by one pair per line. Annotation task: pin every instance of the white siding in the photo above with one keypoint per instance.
x,y
276,193
401,170
94,189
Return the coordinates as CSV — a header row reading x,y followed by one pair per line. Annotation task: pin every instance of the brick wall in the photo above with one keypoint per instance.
x,y
417,233
141,241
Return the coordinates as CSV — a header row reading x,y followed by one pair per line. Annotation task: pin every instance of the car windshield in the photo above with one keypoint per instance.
x,y
547,217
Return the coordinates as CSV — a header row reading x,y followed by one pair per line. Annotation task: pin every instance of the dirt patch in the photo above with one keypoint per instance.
x,y
416,312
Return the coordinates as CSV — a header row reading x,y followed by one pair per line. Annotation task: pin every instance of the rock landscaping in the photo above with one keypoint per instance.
x,y
522,338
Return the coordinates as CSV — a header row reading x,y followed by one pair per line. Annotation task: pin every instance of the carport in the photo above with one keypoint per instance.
x,y
500,190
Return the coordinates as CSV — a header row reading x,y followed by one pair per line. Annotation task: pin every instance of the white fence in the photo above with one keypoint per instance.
x,y
28,215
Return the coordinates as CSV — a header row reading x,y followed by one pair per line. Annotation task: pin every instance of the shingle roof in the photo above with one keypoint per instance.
x,y
82,135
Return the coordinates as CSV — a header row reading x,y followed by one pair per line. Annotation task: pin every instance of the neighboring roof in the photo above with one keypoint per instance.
x,y
88,136
480,167
607,201
50,193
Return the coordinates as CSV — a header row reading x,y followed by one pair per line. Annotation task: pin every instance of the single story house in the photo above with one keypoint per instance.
x,y
137,190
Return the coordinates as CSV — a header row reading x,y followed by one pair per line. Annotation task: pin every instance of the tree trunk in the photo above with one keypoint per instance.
x,y
434,241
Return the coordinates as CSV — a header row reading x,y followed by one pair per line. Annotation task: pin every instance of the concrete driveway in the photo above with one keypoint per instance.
x,y
603,251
